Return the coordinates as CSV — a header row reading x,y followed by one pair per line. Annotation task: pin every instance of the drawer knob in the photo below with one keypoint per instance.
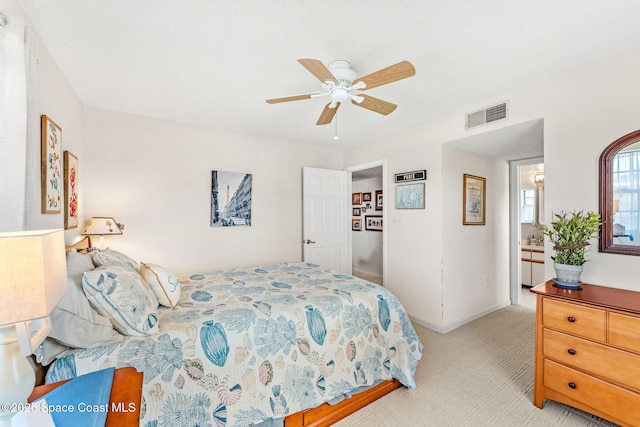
x,y
572,385
571,319
571,352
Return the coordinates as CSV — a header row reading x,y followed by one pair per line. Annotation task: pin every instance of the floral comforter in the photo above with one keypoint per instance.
x,y
249,345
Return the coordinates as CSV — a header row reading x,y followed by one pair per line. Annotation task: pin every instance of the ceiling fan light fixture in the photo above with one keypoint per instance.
x,y
339,94
337,82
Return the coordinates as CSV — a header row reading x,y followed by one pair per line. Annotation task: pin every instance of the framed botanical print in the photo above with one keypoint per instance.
x,y
473,200
51,166
70,190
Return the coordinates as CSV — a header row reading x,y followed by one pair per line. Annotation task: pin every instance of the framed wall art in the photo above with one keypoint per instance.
x,y
51,166
366,197
70,191
230,199
378,200
373,222
473,200
356,224
410,196
356,199
356,212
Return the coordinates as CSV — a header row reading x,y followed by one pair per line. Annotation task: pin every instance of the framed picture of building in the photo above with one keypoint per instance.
x,y
230,199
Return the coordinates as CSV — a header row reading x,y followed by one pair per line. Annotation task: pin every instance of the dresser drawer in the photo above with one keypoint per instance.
x,y
575,319
624,331
596,359
615,401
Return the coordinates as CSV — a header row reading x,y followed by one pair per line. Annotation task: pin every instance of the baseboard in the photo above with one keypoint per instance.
x,y
450,327
366,273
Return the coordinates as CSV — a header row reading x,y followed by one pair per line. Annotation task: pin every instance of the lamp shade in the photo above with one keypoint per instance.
x,y
102,226
33,274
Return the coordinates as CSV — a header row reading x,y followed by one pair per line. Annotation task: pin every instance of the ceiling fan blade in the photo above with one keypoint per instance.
x,y
290,98
396,72
327,114
375,104
318,69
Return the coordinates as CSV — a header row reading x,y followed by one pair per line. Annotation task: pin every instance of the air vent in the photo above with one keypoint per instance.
x,y
486,115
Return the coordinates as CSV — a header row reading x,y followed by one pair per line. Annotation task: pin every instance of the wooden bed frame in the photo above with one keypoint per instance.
x,y
320,416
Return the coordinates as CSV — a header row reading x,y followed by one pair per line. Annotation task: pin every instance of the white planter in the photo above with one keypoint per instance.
x,y
568,276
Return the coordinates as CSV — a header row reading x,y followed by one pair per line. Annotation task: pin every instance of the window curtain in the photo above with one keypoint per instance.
x,y
626,189
13,125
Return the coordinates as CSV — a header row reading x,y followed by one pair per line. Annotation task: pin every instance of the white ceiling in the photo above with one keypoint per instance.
x,y
212,63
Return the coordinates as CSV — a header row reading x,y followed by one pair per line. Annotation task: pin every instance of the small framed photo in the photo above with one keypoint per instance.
x,y
51,166
373,222
356,212
366,197
355,224
70,190
473,200
410,196
356,199
378,200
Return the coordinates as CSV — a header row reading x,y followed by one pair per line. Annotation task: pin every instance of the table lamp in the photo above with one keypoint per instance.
x,y
101,225
33,278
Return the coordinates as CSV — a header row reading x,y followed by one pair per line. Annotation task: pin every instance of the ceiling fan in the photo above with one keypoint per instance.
x,y
339,83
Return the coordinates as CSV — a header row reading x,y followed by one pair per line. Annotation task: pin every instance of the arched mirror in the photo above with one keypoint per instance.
x,y
620,196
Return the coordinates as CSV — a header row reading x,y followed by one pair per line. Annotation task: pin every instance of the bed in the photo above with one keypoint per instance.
x,y
263,345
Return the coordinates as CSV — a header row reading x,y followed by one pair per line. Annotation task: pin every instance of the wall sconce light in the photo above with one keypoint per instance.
x,y
538,178
33,279
101,226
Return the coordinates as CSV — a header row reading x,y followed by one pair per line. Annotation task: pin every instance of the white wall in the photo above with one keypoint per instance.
x,y
367,244
583,112
476,258
154,176
51,95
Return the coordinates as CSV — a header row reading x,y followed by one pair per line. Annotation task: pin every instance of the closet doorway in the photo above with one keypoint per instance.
x,y
367,243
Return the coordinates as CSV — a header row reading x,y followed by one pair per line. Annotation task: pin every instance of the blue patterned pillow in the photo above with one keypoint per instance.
x,y
118,292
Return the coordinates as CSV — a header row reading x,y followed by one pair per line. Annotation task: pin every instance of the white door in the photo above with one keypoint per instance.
x,y
326,228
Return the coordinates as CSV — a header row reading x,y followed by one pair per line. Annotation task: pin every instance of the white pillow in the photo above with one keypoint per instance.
x,y
105,256
74,323
165,286
118,292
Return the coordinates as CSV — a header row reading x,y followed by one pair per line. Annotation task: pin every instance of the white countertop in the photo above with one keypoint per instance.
x,y
534,247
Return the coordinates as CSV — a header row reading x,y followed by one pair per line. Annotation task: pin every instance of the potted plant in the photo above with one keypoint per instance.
x,y
570,233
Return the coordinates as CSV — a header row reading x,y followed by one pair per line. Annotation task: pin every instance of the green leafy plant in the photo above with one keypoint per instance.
x,y
570,233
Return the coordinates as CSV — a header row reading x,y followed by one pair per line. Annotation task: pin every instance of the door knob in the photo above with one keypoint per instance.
x,y
308,242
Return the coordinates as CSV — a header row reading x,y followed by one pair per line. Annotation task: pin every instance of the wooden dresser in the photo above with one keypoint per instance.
x,y
588,350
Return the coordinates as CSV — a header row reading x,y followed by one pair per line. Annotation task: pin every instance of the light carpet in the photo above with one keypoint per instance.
x,y
480,374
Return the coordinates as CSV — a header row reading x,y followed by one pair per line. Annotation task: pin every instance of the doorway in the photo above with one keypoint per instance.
x,y
368,250
527,208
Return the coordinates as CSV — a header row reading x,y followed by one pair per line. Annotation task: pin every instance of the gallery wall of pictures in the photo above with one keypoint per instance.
x,y
367,206
366,211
